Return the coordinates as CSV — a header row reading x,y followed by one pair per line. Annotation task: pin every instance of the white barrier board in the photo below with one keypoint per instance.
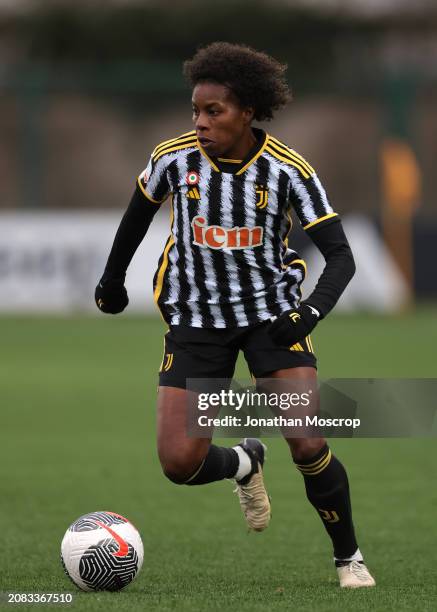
x,y
51,262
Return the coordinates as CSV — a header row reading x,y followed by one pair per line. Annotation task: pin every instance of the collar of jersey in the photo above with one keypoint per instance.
x,y
233,168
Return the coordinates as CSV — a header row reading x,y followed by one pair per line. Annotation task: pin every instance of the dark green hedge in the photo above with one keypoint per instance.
x,y
322,48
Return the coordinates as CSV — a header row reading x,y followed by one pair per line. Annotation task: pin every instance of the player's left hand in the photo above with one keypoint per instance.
x,y
294,325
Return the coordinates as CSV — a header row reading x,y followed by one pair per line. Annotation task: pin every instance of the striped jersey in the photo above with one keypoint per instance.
x,y
227,262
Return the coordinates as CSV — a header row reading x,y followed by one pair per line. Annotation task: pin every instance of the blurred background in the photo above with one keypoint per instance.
x,y
88,88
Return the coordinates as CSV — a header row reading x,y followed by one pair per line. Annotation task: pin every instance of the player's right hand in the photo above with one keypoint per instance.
x,y
111,296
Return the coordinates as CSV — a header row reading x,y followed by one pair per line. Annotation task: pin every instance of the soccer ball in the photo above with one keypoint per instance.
x,y
102,551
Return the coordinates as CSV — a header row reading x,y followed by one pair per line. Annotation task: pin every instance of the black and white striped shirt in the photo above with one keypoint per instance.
x,y
226,262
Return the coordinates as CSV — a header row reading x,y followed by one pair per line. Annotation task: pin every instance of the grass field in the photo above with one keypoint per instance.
x,y
77,434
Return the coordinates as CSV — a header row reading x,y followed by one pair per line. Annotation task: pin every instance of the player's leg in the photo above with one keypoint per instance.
x,y
327,489
184,459
325,477
197,354
195,461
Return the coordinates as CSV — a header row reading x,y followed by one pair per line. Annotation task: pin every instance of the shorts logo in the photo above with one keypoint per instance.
x,y
218,237
167,362
294,316
192,178
262,193
330,516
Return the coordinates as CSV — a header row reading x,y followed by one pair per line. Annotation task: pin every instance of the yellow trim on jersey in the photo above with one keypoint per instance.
x,y
229,161
164,264
177,141
291,153
334,214
177,147
290,220
172,141
148,196
254,158
162,269
205,154
289,160
294,153
299,261
245,167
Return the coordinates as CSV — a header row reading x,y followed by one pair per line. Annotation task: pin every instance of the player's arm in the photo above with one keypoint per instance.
x,y
150,191
325,229
339,269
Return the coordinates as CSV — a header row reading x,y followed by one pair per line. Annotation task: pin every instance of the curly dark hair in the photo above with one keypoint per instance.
x,y
256,79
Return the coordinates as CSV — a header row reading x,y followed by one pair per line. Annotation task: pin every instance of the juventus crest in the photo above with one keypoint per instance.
x,y
262,193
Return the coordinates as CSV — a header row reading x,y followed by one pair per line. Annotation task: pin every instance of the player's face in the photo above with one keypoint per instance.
x,y
222,125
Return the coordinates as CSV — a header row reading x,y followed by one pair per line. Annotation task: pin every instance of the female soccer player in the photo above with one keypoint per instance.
x,y
226,273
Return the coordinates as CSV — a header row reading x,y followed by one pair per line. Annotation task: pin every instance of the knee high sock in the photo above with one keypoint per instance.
x,y
327,489
218,464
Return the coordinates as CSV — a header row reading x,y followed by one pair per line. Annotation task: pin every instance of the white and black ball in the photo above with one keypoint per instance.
x,y
102,551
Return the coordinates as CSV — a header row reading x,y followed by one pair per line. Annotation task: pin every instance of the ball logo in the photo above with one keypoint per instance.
x,y
192,178
218,237
123,546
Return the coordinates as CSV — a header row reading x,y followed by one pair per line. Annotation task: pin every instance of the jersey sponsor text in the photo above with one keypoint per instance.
x,y
218,237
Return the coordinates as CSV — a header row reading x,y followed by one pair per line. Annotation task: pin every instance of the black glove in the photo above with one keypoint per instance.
x,y
111,296
294,325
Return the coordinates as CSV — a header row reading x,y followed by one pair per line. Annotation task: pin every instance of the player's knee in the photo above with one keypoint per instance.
x,y
303,449
178,469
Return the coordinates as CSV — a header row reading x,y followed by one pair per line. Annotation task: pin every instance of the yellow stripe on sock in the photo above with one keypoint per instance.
x,y
315,463
318,469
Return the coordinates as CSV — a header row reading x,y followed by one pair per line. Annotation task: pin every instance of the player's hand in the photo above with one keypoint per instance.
x,y
111,296
294,325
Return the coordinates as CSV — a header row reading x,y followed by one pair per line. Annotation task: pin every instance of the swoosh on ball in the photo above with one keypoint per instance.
x,y
123,546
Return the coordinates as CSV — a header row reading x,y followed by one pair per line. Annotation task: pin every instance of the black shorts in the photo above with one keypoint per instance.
x,y
191,352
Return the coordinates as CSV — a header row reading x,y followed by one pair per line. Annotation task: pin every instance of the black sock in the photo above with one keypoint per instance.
x,y
327,490
218,464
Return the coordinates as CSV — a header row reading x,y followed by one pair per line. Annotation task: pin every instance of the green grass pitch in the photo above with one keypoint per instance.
x,y
78,434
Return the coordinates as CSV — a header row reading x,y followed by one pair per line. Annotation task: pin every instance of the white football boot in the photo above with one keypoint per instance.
x,y
355,575
254,501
